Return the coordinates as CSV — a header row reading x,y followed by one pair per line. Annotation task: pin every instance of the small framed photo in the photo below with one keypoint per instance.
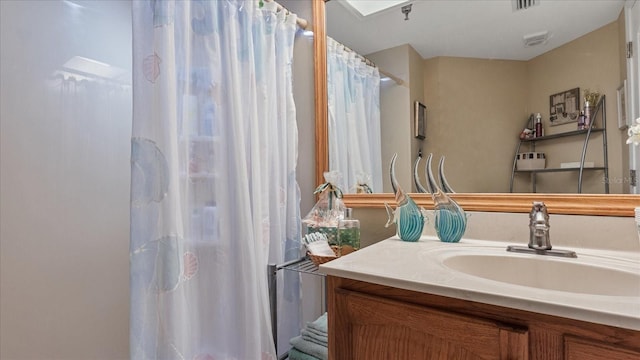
x,y
622,106
564,107
420,127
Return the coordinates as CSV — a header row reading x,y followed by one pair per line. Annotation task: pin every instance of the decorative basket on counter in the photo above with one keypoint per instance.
x,y
339,251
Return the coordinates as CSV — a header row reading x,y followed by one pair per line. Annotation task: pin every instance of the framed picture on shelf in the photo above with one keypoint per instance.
x,y
420,126
564,107
622,106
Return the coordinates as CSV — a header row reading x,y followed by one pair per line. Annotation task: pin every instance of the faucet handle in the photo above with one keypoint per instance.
x,y
539,206
538,209
539,227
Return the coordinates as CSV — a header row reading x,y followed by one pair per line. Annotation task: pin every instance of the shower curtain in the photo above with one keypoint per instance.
x,y
214,197
353,95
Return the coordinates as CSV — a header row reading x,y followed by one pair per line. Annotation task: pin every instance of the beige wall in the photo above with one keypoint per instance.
x,y
372,225
568,231
395,115
589,62
416,87
397,111
477,108
624,148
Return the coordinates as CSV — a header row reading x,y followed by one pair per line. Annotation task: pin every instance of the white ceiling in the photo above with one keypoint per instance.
x,y
487,29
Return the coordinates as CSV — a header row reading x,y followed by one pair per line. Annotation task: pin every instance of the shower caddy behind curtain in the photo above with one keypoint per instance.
x,y
214,196
353,97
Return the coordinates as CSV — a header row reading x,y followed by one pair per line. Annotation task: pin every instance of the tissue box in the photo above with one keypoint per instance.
x,y
530,161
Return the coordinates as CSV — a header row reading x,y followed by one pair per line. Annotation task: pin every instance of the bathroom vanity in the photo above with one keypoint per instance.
x,y
433,300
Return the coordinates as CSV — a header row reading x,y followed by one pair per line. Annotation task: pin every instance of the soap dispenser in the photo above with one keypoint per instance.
x,y
348,233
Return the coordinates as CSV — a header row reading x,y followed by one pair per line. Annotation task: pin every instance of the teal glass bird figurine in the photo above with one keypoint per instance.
x,y
450,219
407,216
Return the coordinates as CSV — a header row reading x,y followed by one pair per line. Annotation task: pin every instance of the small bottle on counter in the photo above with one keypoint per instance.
x,y
348,233
587,115
539,125
581,120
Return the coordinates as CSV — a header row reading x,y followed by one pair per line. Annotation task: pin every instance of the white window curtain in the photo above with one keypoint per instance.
x,y
214,197
353,94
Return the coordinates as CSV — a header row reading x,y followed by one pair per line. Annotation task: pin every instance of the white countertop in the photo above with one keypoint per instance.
x,y
418,267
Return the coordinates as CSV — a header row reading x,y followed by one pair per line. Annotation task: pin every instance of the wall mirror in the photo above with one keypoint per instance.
x,y
592,203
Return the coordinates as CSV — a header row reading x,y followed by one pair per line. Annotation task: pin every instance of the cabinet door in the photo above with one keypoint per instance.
x,y
583,349
370,327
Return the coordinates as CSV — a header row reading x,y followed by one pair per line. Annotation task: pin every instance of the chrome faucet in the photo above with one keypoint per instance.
x,y
539,241
539,227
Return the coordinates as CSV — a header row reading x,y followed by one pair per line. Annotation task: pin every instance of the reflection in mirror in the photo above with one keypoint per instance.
x,y
480,83
353,94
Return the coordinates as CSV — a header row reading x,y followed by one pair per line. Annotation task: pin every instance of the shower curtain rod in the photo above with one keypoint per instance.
x,y
391,76
302,23
371,63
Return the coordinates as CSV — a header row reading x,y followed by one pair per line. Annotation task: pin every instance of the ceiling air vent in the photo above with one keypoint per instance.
x,y
523,4
535,39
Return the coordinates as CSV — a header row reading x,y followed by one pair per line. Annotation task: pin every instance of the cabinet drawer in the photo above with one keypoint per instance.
x,y
583,349
371,327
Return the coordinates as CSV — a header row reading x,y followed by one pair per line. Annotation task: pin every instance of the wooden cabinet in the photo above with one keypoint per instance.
x,y
368,321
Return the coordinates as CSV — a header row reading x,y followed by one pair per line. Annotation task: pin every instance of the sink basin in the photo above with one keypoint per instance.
x,y
585,275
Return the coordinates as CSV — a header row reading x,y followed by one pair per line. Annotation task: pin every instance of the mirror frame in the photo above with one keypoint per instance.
x,y
573,204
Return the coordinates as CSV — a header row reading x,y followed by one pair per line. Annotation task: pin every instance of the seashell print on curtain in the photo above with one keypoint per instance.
x,y
214,197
